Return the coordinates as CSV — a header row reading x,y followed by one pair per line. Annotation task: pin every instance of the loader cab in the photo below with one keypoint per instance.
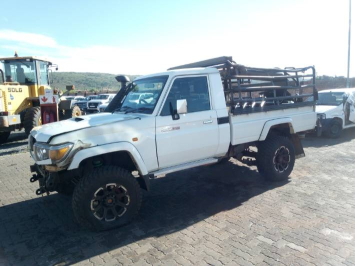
x,y
29,71
26,70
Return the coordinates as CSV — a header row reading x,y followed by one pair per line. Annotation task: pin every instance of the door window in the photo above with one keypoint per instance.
x,y
193,89
43,69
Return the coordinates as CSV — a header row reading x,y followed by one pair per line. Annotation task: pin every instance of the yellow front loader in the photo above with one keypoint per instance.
x,y
22,81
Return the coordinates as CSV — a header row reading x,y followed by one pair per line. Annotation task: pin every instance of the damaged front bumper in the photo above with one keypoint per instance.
x,y
52,181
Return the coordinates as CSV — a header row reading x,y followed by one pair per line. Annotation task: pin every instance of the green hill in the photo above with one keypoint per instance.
x,y
86,81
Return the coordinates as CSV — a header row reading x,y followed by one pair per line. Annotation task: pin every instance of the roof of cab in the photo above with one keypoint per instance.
x,y
25,57
182,72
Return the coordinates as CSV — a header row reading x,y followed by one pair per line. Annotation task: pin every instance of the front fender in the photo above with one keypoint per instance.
x,y
112,147
275,122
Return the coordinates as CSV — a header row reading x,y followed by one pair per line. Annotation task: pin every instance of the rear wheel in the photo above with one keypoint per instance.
x,y
4,136
106,198
32,119
276,158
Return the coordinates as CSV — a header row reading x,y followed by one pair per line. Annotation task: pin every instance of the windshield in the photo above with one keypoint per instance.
x,y
142,95
330,98
21,71
103,97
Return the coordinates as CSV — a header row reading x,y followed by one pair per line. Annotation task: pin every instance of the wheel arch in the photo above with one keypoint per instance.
x,y
117,153
339,119
283,126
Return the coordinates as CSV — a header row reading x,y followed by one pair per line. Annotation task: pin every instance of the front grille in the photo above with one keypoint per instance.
x,y
93,105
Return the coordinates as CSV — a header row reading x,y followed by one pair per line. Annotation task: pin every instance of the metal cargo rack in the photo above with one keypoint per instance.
x,y
250,90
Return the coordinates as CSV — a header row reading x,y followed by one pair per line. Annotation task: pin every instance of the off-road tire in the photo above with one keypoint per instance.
x,y
32,119
4,136
73,112
334,130
66,189
267,153
93,182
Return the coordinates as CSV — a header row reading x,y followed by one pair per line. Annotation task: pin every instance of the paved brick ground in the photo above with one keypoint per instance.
x,y
216,215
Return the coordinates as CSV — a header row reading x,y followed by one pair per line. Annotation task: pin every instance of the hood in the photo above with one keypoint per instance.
x,y
321,109
45,132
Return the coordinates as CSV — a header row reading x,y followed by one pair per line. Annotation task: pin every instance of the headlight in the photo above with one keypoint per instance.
x,y
57,153
321,116
41,151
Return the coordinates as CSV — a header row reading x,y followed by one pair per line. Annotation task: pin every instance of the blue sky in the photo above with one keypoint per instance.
x,y
141,37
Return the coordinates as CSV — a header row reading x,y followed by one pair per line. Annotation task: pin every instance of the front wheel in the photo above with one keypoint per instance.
x,y
106,198
334,130
276,158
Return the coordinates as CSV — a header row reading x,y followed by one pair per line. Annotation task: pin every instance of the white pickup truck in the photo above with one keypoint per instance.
x,y
197,114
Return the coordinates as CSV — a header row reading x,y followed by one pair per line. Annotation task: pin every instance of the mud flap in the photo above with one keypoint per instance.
x,y
299,152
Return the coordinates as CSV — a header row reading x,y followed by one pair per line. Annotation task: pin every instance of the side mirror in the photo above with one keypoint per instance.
x,y
181,106
174,114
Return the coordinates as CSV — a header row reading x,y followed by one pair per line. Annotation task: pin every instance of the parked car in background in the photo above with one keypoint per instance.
x,y
74,100
336,111
83,104
140,98
102,107
93,105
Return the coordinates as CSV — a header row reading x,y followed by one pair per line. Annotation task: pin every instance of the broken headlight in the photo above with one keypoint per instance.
x,y
43,151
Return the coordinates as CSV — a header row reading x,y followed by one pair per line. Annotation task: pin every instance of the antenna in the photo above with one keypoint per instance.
x,y
347,79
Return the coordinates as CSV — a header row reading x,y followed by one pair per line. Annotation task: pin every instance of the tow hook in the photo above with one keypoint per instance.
x,y
41,191
34,178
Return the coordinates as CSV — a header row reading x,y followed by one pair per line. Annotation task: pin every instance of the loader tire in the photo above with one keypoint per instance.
x,y
275,158
106,198
4,136
32,119
72,112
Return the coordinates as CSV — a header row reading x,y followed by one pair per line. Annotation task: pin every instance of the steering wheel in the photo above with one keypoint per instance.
x,y
142,100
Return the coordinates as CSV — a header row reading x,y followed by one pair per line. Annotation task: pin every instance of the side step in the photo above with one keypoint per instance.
x,y
184,166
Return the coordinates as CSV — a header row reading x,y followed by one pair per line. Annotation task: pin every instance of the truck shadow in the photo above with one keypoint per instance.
x,y
42,231
312,141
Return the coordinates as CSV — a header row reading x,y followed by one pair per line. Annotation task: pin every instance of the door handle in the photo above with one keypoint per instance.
x,y
208,121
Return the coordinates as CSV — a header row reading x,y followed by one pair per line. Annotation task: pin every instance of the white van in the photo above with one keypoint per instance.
x,y
336,111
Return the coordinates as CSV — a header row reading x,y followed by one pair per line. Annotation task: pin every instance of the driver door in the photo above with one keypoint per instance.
x,y
194,135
